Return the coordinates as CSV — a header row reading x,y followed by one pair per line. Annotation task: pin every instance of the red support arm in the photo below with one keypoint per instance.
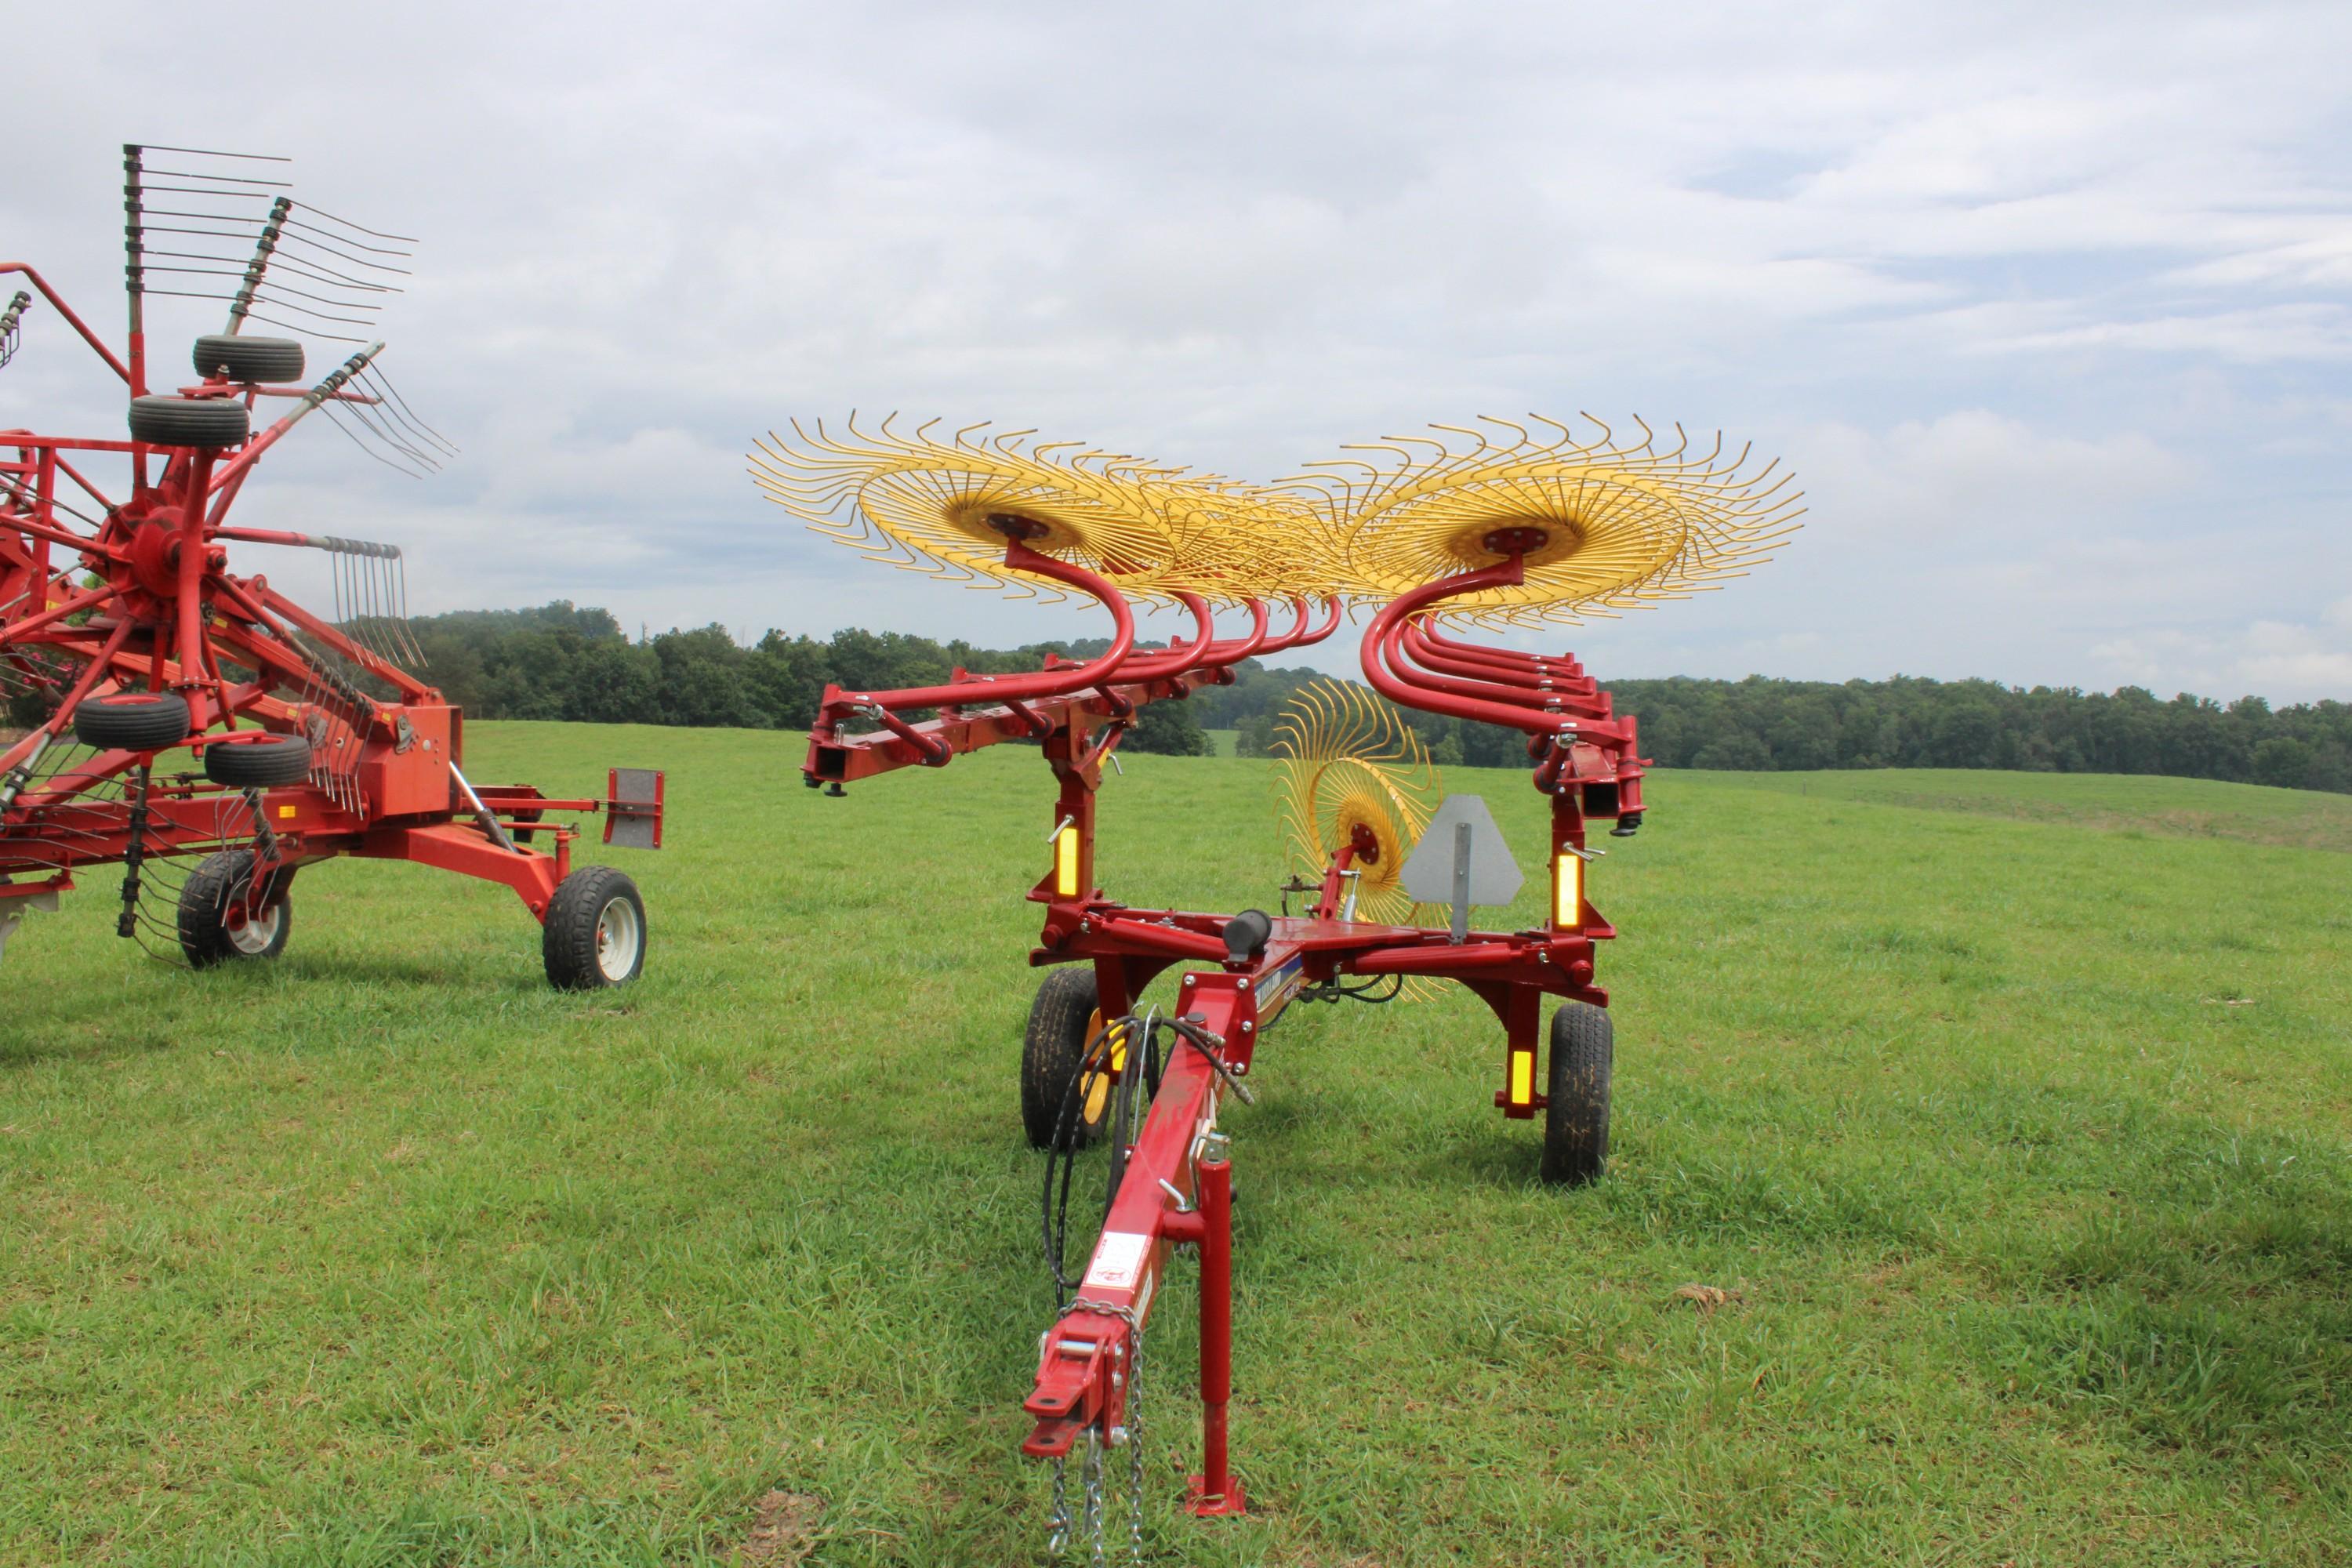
x,y
1023,687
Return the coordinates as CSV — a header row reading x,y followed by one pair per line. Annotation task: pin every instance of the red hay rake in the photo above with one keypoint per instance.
x,y
1509,529
179,710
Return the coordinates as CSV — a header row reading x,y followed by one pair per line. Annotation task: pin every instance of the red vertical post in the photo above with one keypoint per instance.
x,y
191,569
1216,1491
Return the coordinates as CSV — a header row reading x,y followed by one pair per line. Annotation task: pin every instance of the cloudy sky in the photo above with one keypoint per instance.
x,y
2049,307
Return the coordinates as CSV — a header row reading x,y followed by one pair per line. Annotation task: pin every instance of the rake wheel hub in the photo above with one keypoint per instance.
x,y
1522,539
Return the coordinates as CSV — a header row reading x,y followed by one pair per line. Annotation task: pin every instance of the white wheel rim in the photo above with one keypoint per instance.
x,y
253,934
620,935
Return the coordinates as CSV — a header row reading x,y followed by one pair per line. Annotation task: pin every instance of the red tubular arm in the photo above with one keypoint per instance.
x,y
1493,685
1240,648
1378,653
1429,651
1395,676
1181,657
1300,635
1564,664
1018,688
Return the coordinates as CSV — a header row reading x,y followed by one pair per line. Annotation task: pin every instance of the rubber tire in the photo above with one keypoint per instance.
x,y
272,764
1050,1053
569,942
1576,1122
132,721
203,927
275,361
189,421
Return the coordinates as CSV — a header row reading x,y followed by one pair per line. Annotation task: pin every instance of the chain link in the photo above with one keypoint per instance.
x,y
1135,1447
1091,1475
1057,1523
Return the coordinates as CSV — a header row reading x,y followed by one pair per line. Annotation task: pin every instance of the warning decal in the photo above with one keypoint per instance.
x,y
1119,1262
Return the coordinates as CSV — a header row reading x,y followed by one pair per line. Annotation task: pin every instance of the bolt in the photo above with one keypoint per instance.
x,y
1247,1025
1118,1437
1240,1069
1246,985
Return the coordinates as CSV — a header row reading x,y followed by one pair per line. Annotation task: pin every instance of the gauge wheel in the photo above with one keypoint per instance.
x,y
595,934
221,920
1066,1019
1576,1121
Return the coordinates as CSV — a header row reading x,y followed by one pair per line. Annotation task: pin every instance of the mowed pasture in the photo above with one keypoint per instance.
x,y
2012,1114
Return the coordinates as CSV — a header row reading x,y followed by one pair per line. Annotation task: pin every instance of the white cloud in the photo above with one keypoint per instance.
x,y
2293,660
2048,306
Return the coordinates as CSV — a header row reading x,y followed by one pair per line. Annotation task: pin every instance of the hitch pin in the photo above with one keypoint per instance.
x,y
1066,821
1183,1205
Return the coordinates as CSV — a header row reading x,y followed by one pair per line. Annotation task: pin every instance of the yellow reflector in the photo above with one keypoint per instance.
x,y
1523,1077
1065,862
1568,890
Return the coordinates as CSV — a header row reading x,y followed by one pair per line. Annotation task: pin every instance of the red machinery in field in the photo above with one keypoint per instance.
x,y
178,709
1505,531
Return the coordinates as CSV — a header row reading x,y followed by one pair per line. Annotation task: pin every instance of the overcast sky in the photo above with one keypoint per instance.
x,y
2049,307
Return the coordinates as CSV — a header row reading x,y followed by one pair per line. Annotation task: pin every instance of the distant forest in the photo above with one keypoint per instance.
x,y
561,662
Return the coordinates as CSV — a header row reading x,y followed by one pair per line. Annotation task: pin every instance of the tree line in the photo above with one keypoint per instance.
x,y
558,661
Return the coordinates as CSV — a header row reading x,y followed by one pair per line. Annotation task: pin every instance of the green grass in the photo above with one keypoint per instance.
x,y
2014,1110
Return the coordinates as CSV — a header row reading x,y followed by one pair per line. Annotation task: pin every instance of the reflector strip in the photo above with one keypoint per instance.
x,y
1523,1077
1568,890
1065,862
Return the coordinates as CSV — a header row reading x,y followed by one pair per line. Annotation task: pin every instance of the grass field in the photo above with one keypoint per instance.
x,y
2011,1113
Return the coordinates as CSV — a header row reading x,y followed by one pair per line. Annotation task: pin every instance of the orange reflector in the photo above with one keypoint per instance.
x,y
1568,890
1065,862
1523,1077
285,811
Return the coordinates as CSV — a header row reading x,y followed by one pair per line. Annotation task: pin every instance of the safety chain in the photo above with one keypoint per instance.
x,y
1091,1477
1057,1526
1057,1523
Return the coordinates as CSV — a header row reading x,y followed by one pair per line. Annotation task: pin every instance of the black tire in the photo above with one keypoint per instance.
x,y
217,925
1576,1122
269,763
1052,1052
276,362
131,720
189,421
596,933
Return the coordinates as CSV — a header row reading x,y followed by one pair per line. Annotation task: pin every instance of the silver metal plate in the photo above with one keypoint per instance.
x,y
1494,877
632,787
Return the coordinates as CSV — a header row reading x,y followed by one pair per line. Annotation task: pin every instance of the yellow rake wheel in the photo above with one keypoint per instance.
x,y
1601,525
948,507
1349,761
